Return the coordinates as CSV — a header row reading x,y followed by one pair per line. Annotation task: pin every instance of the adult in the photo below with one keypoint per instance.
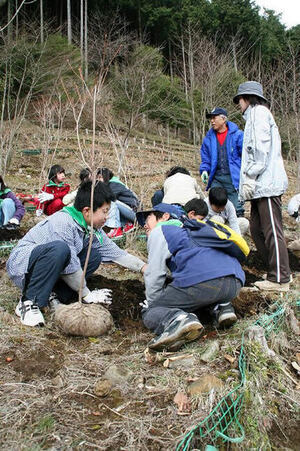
x,y
221,152
262,182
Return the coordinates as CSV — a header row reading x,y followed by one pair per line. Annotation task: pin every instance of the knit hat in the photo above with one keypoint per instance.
x,y
249,88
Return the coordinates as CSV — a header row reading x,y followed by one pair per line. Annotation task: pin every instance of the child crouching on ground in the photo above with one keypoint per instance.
x,y
204,273
47,263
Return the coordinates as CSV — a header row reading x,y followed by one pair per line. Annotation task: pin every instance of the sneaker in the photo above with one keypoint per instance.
x,y
115,233
10,226
267,285
264,277
129,227
29,313
54,302
183,329
225,315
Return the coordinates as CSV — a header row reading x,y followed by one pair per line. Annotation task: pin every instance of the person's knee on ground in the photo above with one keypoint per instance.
x,y
8,210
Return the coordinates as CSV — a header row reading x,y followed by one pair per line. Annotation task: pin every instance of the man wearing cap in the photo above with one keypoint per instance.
x,y
221,152
263,180
202,275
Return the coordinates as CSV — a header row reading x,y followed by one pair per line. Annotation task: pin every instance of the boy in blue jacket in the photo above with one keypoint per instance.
x,y
201,276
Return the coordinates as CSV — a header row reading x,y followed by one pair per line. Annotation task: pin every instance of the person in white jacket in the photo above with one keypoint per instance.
x,y
262,182
180,187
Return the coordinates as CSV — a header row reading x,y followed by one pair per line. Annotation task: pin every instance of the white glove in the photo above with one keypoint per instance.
x,y
44,197
14,221
248,188
98,297
144,304
204,177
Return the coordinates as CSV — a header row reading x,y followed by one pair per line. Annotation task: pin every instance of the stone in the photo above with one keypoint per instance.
x,y
257,334
117,375
205,385
211,351
102,387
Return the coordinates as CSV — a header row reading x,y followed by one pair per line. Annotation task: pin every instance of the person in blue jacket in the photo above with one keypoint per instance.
x,y
202,276
221,153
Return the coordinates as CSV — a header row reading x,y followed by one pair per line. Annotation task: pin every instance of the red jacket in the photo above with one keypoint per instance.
x,y
58,191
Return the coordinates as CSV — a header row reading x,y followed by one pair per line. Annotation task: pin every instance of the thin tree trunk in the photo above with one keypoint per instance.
x,y
234,55
86,68
69,21
42,21
9,15
170,61
81,33
17,21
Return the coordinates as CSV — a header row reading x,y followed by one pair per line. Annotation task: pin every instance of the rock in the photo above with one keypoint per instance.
x,y
280,343
292,320
211,351
117,375
102,387
58,381
185,361
256,333
249,289
205,384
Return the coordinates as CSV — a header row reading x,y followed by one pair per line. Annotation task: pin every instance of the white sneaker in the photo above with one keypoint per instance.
x,y
29,313
54,302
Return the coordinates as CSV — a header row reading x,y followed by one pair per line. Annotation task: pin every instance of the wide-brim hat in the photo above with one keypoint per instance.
x,y
249,88
175,212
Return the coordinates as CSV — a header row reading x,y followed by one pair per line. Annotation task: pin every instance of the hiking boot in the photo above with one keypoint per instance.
x,y
115,233
183,329
225,315
29,313
264,277
129,227
267,285
54,302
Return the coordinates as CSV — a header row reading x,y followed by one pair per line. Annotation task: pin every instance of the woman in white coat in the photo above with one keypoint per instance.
x,y
262,181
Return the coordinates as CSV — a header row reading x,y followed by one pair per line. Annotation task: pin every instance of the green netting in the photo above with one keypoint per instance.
x,y
226,412
6,247
30,208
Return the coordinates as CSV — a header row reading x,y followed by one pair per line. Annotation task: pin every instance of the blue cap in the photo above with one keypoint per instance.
x,y
175,212
216,111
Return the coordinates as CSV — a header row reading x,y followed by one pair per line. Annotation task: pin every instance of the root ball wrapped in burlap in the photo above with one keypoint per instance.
x,y
86,320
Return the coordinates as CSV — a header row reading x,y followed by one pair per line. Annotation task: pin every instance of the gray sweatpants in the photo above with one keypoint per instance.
x,y
174,301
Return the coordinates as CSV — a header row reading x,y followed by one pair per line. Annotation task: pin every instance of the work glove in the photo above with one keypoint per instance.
x,y
248,188
98,297
144,304
44,197
204,177
14,221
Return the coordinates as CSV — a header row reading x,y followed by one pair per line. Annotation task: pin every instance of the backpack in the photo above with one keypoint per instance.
x,y
217,236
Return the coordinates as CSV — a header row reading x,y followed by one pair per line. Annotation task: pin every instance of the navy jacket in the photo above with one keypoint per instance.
x,y
209,153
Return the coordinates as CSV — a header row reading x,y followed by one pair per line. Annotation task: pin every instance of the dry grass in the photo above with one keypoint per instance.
x,y
47,379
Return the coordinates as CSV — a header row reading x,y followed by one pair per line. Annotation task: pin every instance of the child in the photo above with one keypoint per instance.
x,y
168,310
196,209
127,203
54,191
222,210
180,187
11,208
50,257
263,180
84,176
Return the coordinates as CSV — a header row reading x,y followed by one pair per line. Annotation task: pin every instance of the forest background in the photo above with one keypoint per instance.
x,y
153,66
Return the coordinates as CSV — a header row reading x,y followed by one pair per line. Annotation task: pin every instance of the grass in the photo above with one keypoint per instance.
x,y
59,410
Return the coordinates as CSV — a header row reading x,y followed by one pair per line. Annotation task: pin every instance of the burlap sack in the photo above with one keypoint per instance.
x,y
86,320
